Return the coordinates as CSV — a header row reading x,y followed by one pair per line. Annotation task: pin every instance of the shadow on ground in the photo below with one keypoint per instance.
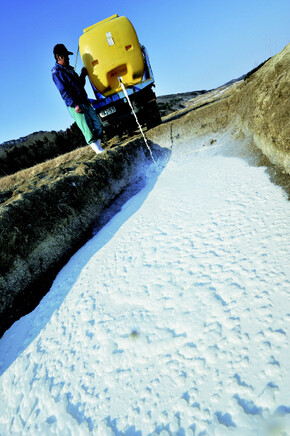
x,y
26,330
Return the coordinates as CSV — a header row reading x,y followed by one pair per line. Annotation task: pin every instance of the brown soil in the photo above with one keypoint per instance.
x,y
47,211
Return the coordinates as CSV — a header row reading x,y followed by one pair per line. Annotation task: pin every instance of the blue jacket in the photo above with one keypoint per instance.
x,y
70,85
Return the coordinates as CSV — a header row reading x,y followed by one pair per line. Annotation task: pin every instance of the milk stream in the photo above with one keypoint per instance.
x,y
139,125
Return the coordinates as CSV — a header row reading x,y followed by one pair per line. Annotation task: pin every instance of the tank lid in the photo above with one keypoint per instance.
x,y
100,22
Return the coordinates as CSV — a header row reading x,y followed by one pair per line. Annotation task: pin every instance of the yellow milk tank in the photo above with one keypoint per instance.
x,y
110,49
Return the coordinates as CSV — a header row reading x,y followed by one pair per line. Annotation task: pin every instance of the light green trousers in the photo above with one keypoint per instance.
x,y
89,123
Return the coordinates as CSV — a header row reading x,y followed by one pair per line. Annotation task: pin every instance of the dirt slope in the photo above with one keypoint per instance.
x,y
47,211
257,106
263,103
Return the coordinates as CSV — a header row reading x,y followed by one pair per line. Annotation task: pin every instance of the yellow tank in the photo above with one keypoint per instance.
x,y
110,49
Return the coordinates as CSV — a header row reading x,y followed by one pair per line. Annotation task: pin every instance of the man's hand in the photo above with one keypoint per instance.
x,y
84,72
78,109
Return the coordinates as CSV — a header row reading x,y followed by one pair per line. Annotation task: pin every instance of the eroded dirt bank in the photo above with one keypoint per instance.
x,y
256,108
47,211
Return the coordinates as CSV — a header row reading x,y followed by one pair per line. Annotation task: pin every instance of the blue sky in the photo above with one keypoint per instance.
x,y
192,44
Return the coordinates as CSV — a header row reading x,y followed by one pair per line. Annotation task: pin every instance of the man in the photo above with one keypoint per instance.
x,y
71,88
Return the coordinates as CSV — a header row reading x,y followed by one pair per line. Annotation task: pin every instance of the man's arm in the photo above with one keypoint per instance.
x,y
83,76
63,89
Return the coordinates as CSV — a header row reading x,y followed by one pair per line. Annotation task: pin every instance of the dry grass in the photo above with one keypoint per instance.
x,y
43,173
47,210
257,107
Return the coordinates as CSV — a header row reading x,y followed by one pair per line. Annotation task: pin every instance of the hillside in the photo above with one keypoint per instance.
x,y
48,210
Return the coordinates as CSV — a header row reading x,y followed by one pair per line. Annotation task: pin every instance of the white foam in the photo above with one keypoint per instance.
x,y
173,319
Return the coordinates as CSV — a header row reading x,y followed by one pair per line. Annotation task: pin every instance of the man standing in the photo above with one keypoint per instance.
x,y
71,88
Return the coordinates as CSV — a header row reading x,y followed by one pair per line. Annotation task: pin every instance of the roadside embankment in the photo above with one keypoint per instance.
x,y
256,108
48,211
263,108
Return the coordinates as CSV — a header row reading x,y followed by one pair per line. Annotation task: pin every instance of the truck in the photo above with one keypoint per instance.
x,y
110,50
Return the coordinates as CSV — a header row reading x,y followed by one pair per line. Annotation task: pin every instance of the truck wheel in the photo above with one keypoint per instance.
x,y
153,116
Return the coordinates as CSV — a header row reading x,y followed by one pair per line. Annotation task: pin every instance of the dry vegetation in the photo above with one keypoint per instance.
x,y
47,210
257,106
